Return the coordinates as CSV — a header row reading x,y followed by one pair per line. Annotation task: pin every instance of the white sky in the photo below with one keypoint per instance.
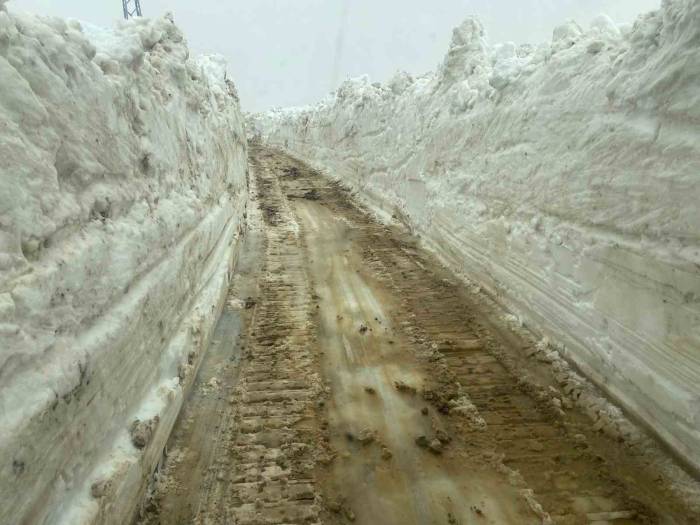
x,y
292,52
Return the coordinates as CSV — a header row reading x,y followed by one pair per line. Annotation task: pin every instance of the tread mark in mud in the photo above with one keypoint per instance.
x,y
271,449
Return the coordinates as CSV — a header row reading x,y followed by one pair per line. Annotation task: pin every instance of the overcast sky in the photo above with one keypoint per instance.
x,y
292,52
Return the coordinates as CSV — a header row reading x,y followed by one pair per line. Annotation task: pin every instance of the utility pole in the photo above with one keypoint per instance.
x,y
132,8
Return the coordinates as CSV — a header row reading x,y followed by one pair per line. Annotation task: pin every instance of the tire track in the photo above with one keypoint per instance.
x,y
271,449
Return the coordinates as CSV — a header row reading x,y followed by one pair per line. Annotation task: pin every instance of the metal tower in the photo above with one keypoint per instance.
x,y
132,8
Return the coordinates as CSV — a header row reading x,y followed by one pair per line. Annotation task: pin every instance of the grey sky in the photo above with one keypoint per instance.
x,y
283,52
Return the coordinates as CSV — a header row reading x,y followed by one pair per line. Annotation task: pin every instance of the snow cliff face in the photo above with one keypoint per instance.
x,y
564,178
122,194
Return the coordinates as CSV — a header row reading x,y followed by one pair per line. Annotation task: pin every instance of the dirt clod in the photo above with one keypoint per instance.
x,y
403,387
312,195
366,436
435,446
442,436
422,441
142,431
100,488
291,171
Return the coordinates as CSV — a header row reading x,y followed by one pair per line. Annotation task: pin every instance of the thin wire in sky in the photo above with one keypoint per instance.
x,y
339,44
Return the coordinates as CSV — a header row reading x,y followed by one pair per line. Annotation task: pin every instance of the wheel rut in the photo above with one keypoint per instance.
x,y
271,443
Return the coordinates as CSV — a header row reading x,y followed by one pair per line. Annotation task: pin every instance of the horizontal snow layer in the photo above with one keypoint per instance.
x,y
122,194
565,178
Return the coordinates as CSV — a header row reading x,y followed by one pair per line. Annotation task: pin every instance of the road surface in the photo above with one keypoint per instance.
x,y
354,380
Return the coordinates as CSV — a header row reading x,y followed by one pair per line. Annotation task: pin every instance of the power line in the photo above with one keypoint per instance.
x,y
339,45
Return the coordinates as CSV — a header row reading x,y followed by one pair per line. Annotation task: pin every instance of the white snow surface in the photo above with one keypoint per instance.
x,y
122,194
564,178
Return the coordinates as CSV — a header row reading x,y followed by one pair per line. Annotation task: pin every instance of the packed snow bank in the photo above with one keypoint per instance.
x,y
564,178
122,194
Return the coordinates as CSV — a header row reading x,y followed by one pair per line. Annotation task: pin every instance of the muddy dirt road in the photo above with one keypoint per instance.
x,y
353,380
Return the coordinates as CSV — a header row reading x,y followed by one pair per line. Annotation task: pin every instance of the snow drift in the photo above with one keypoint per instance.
x,y
564,178
122,194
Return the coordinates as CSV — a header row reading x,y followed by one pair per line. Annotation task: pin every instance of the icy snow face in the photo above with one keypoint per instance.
x,y
122,190
565,178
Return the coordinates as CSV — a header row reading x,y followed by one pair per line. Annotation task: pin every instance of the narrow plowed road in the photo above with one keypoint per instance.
x,y
368,385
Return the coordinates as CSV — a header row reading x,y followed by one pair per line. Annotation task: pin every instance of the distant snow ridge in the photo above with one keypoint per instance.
x,y
122,192
564,177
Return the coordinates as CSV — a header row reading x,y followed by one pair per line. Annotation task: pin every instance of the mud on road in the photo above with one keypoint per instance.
x,y
369,386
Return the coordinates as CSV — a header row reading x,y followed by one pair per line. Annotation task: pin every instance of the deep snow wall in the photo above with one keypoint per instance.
x,y
564,178
122,196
